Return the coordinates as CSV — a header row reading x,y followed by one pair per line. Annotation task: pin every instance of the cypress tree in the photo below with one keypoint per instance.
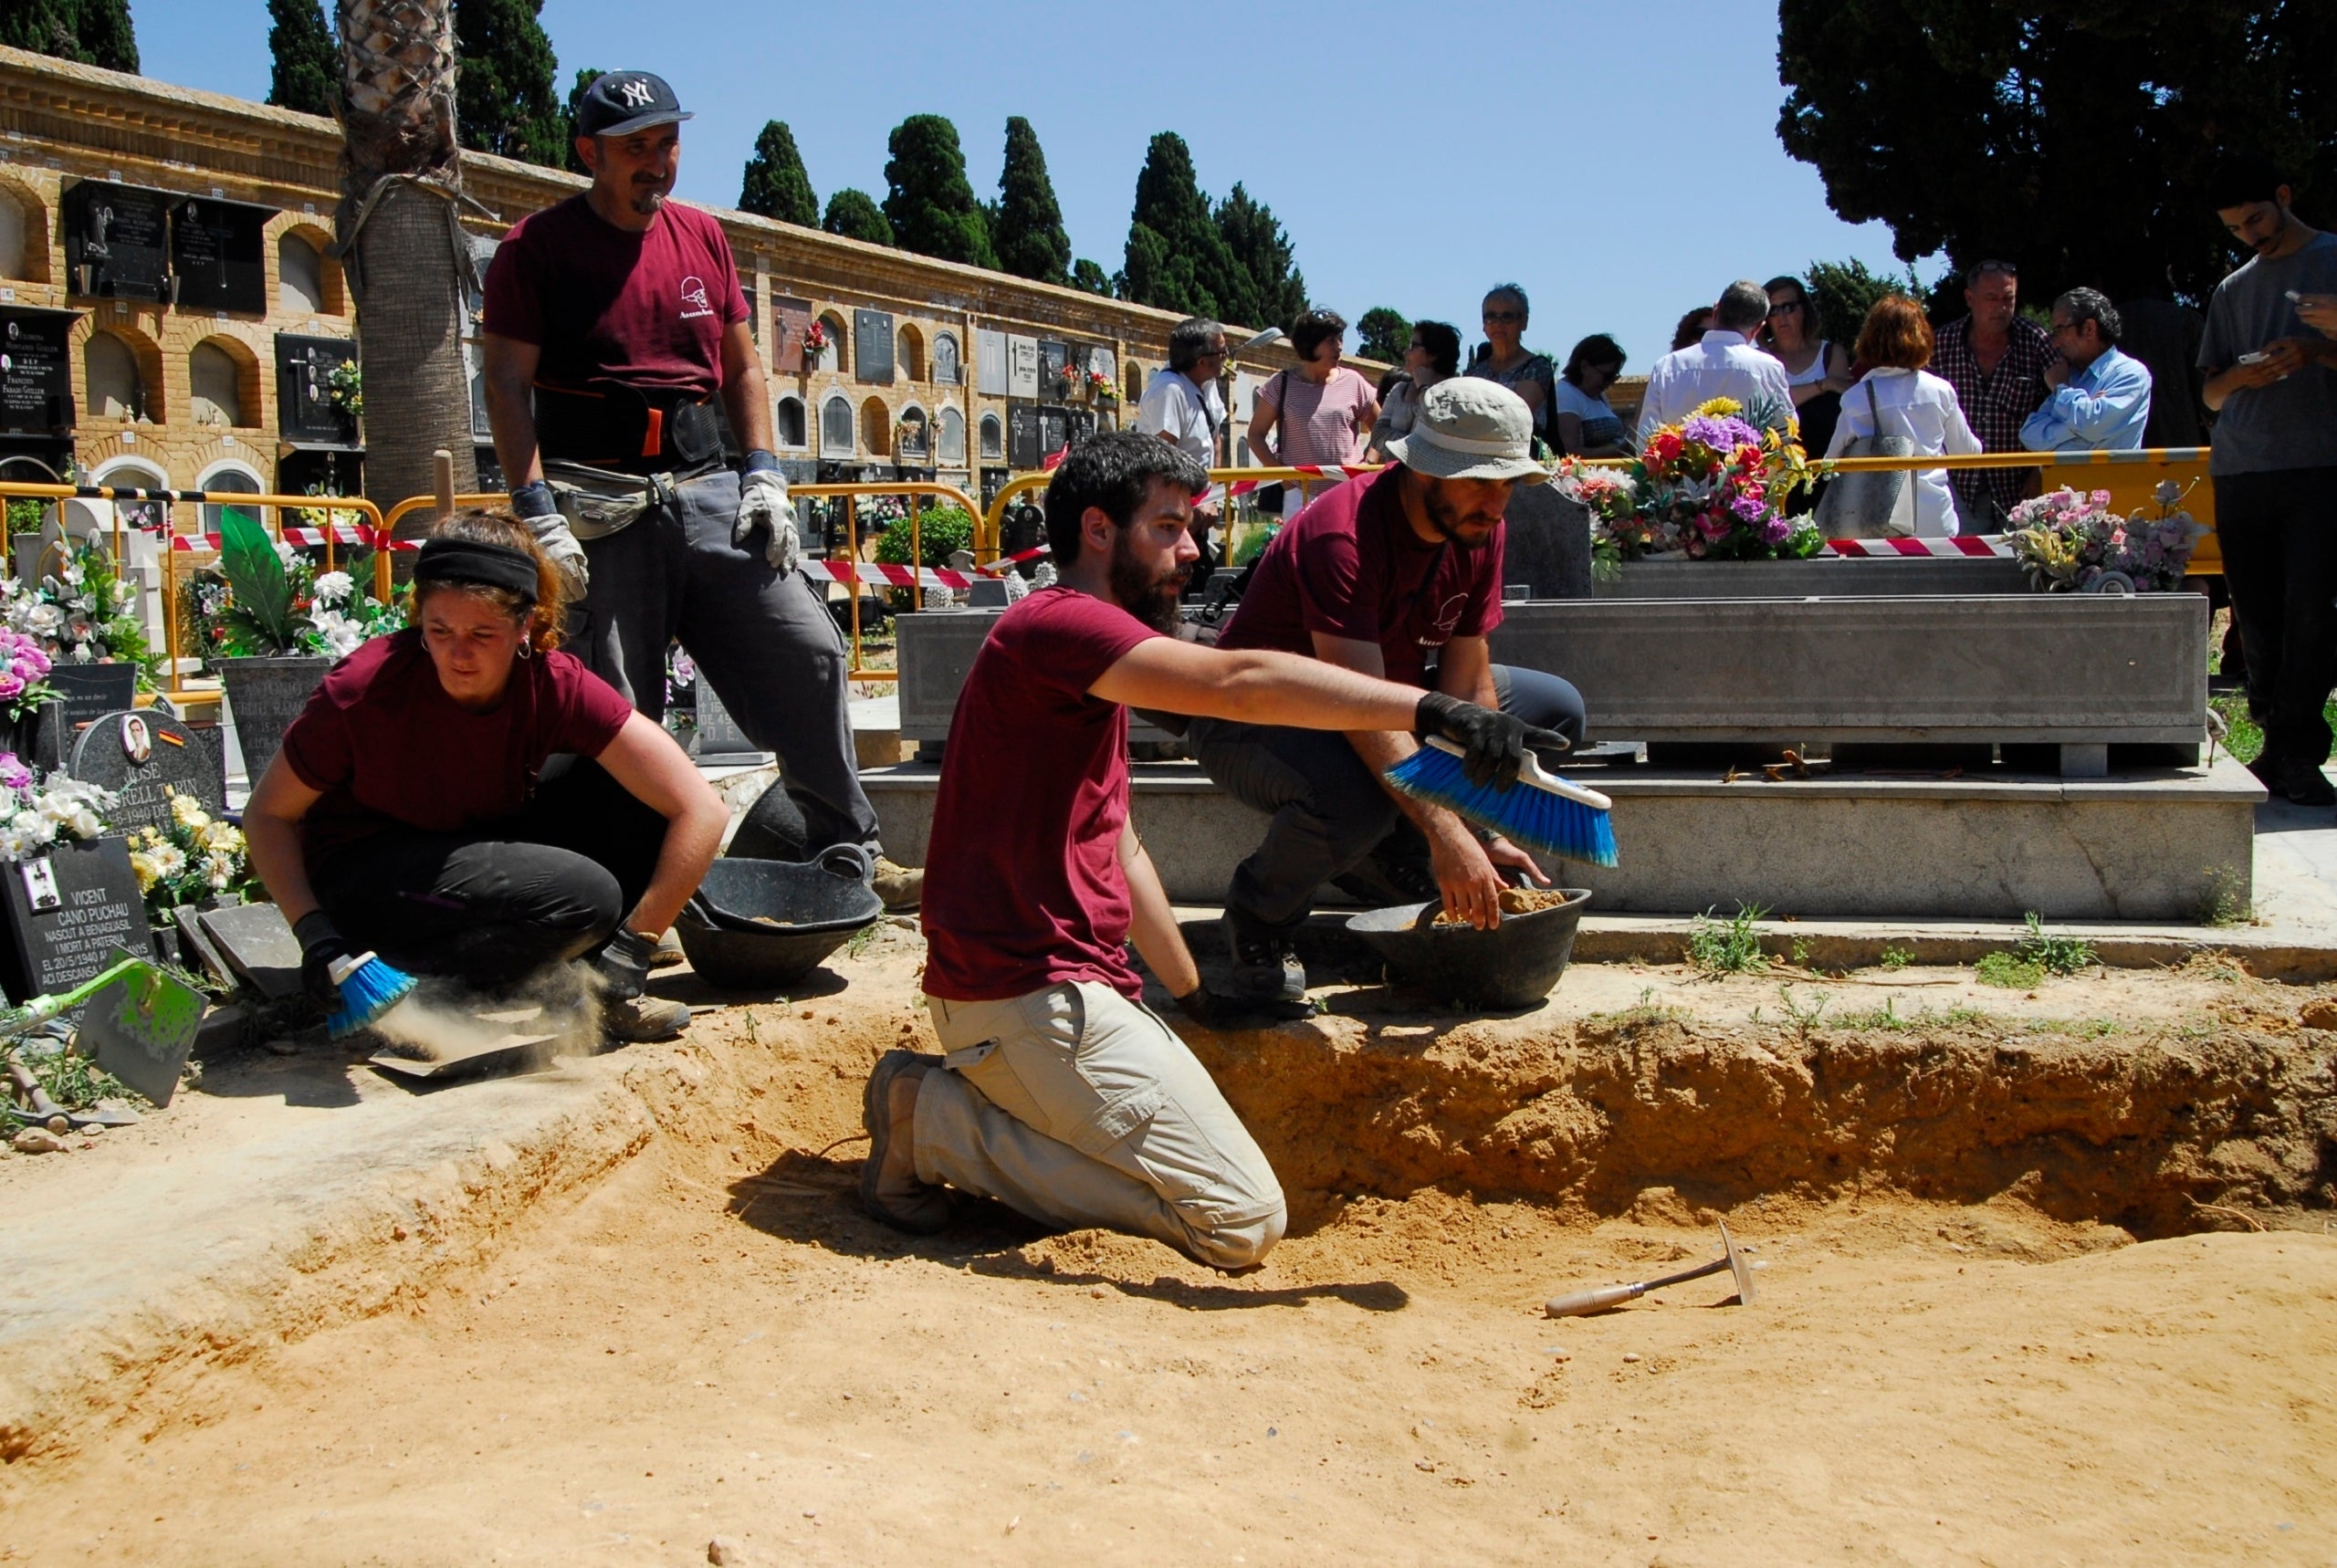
x,y
307,74
88,32
1175,254
927,201
1086,274
1027,227
856,216
568,159
505,102
776,185
1261,253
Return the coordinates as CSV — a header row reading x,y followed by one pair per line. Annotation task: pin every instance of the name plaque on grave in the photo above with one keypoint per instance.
x,y
1054,429
1021,366
871,346
218,254
1021,436
790,323
305,411
143,757
990,362
117,241
1054,366
37,370
67,909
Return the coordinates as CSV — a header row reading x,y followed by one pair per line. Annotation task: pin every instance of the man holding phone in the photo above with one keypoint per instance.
x,y
2273,384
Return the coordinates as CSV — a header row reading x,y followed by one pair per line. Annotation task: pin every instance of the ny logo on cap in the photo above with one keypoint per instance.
x,y
637,94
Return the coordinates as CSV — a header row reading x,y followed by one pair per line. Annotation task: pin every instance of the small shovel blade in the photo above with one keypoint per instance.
x,y
140,1028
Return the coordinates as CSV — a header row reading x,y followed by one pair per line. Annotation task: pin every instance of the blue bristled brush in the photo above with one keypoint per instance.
x,y
1541,810
369,987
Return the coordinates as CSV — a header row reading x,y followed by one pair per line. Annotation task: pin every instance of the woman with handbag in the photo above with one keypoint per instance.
x,y
1898,409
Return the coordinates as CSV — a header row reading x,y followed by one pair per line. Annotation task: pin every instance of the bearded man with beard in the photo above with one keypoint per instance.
x,y
1061,1096
1396,575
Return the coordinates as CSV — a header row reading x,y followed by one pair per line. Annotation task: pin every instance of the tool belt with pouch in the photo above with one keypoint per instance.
x,y
614,453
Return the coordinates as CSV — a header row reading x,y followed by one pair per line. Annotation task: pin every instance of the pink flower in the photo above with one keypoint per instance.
x,y
13,774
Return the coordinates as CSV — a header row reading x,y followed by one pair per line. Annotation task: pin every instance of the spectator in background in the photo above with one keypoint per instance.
x,y
1995,361
2165,337
1183,407
1505,358
2099,399
1434,356
1319,414
1817,372
1581,425
1723,363
1897,396
2273,386
1692,328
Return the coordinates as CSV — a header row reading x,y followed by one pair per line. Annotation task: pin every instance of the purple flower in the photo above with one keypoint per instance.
x,y
13,774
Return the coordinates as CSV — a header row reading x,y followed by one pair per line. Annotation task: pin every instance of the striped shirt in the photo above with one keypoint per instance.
x,y
1996,403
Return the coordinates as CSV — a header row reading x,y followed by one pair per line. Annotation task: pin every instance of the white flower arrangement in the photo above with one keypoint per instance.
x,y
56,810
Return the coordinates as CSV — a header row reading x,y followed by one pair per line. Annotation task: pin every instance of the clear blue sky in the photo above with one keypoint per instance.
x,y
1620,161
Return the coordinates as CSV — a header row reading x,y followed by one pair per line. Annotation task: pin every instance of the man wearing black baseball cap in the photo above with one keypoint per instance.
x,y
614,321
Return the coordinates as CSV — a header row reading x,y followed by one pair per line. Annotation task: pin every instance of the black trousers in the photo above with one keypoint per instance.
x,y
495,907
1331,812
2278,532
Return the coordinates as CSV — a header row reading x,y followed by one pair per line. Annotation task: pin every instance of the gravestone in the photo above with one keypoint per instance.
x,y
117,241
37,370
1055,430
85,693
790,323
67,910
1547,544
258,946
218,255
1022,434
1021,366
719,738
1055,363
871,346
990,362
143,756
304,368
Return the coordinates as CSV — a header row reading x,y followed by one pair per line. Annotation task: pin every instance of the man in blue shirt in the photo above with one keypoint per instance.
x,y
2100,398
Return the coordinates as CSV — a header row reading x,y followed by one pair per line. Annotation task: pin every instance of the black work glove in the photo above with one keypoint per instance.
x,y
1215,1009
623,964
1493,743
320,945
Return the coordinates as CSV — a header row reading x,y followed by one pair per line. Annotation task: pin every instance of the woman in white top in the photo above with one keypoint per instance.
x,y
1581,423
1434,356
1906,400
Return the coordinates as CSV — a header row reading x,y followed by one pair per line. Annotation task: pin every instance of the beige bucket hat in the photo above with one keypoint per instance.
x,y
1471,428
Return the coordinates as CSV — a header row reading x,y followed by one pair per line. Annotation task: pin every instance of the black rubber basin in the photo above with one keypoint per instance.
x,y
761,925
1514,965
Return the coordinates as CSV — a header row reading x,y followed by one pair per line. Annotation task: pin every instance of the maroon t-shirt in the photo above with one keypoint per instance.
x,y
1022,882
387,747
1351,566
645,309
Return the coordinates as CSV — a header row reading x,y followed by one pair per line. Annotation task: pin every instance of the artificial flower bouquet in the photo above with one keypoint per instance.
x,y
196,857
84,613
1710,487
23,674
35,814
2073,541
266,598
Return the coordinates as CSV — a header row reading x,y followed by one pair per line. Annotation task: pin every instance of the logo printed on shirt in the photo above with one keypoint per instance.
x,y
693,301
1441,626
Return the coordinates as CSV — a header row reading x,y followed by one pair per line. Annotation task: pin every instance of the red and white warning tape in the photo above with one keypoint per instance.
x,y
875,574
343,534
1964,545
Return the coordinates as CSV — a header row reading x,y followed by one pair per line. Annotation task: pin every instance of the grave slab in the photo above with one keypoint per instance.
x,y
258,946
143,756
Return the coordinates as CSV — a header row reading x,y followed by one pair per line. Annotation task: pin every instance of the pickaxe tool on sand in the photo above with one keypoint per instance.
x,y
1583,1302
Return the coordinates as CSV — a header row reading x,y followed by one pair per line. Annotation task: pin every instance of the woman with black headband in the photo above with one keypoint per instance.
x,y
465,801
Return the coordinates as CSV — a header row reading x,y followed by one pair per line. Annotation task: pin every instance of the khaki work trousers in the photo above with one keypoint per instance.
x,y
1078,1106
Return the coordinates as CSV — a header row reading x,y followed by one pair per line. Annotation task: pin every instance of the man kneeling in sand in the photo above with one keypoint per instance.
x,y
1062,1095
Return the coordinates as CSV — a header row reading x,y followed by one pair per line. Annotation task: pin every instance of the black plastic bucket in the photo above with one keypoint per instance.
x,y
820,903
1514,965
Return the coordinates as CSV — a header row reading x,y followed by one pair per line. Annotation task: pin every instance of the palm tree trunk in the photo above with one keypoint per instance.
x,y
400,244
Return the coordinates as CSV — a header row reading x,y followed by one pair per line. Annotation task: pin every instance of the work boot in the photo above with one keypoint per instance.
x,y
898,887
2295,780
669,951
1265,961
639,1020
889,1188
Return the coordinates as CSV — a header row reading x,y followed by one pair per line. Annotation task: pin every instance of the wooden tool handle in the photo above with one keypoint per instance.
x,y
1599,1299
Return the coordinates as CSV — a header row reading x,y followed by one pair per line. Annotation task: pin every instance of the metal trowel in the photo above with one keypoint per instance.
x,y
1583,1302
